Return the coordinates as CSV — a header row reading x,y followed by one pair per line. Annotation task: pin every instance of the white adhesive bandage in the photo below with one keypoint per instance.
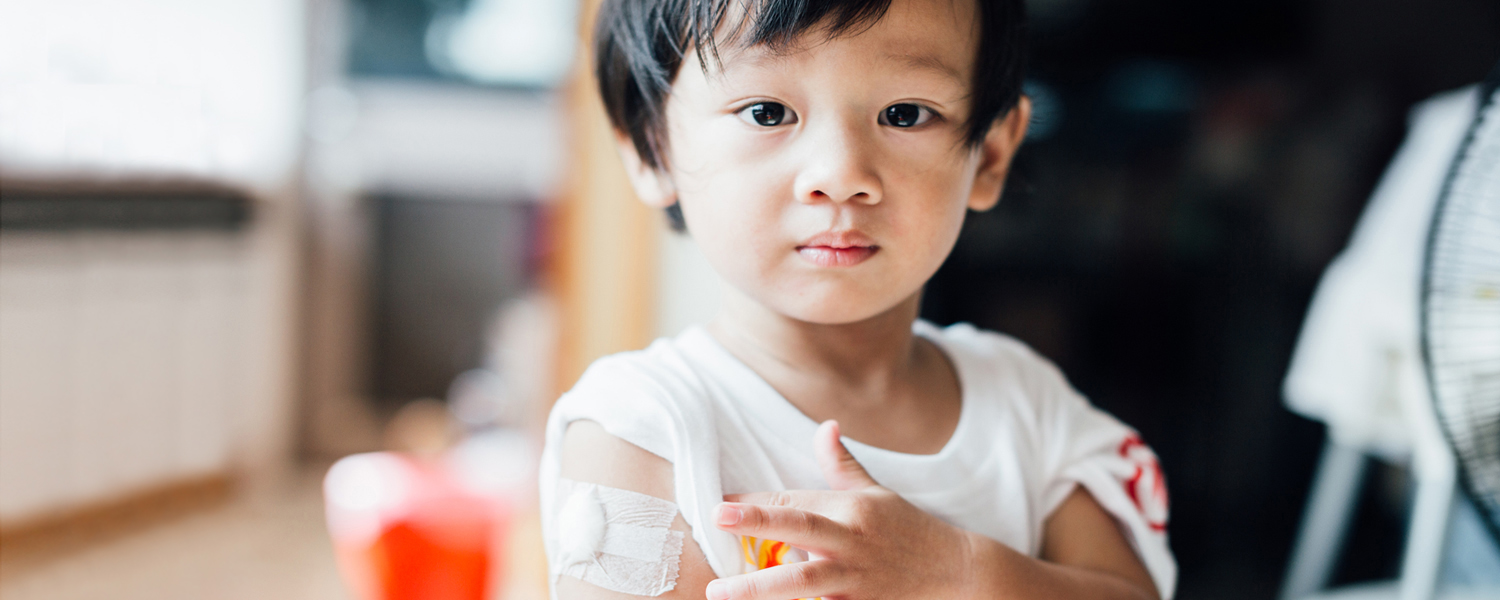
x,y
616,539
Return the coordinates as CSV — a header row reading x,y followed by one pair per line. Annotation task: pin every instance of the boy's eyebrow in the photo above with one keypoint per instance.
x,y
928,62
754,60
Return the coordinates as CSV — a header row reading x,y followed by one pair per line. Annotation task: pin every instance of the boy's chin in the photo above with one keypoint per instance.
x,y
836,311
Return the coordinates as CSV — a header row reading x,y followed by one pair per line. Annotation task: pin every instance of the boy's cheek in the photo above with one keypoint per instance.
x,y
732,166
742,191
720,144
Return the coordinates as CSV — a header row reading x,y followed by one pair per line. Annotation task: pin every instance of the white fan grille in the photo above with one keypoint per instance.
x,y
1461,316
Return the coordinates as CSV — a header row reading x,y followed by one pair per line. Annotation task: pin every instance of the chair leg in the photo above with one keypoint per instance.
x,y
1423,559
1325,521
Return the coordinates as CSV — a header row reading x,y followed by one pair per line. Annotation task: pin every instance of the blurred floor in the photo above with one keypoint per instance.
x,y
268,544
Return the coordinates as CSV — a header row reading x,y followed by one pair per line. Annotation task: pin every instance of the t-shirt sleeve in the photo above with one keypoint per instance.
x,y
1085,446
622,398
642,398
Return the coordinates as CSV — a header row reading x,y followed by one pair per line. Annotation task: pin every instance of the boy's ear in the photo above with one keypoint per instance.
x,y
996,152
651,185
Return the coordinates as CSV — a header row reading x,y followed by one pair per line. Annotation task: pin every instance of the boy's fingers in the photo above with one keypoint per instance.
x,y
818,501
803,529
840,468
808,579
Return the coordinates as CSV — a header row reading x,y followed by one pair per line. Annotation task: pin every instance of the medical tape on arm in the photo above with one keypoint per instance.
x,y
616,539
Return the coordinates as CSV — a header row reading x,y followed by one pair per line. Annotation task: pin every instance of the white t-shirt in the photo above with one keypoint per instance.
x,y
1024,439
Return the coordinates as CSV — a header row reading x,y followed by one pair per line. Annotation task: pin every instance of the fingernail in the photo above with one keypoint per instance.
x,y
729,515
717,590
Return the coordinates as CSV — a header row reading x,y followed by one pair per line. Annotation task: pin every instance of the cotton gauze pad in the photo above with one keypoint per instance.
x,y
616,539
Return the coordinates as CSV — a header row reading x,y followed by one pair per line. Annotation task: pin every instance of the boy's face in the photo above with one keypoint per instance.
x,y
829,182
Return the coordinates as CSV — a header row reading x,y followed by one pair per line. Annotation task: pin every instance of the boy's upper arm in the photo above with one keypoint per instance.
x,y
592,455
1100,516
1080,533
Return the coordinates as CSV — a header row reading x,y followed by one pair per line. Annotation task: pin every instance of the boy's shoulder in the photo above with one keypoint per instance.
x,y
989,352
653,390
985,342
661,369
1006,377
687,381
641,396
677,367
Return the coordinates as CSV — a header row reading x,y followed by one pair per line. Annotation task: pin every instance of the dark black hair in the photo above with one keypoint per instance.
x,y
639,45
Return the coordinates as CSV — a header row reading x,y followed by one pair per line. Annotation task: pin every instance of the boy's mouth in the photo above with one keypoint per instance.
x,y
837,248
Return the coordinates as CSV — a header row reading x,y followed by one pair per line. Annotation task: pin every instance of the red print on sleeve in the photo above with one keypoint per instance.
x,y
1146,487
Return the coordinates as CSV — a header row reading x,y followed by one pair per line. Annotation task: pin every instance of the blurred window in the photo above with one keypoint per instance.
x,y
139,87
511,43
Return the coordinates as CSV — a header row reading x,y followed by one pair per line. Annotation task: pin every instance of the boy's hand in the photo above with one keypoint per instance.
x,y
865,541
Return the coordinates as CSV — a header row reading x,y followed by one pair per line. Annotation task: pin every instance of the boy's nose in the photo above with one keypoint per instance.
x,y
838,169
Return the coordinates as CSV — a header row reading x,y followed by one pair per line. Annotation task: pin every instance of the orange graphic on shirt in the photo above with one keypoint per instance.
x,y
763,554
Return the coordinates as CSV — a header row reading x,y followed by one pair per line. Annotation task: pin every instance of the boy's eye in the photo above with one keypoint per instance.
x,y
767,114
905,115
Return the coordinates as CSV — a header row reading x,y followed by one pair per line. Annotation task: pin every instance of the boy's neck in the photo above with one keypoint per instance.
x,y
875,358
886,387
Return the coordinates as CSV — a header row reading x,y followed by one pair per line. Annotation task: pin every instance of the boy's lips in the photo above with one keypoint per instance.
x,y
837,248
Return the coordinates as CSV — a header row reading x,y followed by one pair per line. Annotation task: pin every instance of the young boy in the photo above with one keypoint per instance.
x,y
817,439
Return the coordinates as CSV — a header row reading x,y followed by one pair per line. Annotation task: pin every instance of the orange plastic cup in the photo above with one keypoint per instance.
x,y
405,528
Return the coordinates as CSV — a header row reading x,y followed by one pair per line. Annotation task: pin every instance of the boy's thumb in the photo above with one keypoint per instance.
x,y
840,468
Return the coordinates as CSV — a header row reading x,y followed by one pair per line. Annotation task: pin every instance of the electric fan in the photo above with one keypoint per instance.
x,y
1461,307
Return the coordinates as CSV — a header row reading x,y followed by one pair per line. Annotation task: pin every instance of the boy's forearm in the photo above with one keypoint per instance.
x,y
1002,573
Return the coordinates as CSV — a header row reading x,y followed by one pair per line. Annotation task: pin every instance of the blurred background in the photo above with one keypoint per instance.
x,y
240,240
